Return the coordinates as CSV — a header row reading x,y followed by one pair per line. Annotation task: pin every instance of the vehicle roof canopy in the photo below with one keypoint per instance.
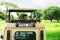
x,y
21,10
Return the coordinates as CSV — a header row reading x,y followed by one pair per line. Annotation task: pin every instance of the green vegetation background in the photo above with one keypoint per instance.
x,y
50,18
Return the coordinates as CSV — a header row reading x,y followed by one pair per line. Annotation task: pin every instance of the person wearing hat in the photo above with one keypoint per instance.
x,y
25,17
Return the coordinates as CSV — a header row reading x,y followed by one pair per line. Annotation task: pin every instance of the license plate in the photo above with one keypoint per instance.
x,y
23,24
26,24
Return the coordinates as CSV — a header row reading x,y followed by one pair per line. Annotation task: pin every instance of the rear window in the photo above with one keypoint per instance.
x,y
26,35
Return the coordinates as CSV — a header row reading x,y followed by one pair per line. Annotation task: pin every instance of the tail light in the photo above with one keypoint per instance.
x,y
42,28
8,32
7,28
42,33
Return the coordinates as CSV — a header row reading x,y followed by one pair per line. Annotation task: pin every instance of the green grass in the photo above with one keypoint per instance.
x,y
2,23
1,30
53,35
52,30
47,23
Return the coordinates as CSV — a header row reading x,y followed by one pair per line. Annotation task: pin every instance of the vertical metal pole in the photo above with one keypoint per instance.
x,y
9,16
31,15
6,16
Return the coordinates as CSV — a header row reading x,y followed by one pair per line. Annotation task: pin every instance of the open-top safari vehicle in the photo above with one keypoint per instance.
x,y
22,25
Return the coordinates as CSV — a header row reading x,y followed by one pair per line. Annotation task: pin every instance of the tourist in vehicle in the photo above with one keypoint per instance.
x,y
25,17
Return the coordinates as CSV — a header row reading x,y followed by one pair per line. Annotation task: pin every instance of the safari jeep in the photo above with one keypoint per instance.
x,y
22,25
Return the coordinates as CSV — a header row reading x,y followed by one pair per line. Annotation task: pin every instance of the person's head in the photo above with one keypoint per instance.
x,y
25,17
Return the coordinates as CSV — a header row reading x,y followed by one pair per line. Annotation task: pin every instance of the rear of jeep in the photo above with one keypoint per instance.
x,y
19,29
23,33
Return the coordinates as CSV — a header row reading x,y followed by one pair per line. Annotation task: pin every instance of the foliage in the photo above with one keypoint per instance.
x,y
21,16
2,16
38,15
7,5
12,17
52,13
57,14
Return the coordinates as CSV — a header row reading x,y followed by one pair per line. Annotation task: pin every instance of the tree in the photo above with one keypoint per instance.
x,y
38,14
20,14
57,14
2,16
52,13
49,14
12,17
7,5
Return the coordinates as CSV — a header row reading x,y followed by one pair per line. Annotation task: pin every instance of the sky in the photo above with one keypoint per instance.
x,y
34,3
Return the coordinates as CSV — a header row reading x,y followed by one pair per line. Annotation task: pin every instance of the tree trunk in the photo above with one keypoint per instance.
x,y
51,20
58,20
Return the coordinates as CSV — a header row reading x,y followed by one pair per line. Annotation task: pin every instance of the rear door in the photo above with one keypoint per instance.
x,y
25,34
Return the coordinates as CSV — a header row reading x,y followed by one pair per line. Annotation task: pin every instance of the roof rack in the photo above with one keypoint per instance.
x,y
21,10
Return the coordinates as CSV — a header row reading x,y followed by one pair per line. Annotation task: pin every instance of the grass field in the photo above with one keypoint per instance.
x,y
53,35
2,23
52,29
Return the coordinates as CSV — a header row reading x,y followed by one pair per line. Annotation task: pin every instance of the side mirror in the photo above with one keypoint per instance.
x,y
1,36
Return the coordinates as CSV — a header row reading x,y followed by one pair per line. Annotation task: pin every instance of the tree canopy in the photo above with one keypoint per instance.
x,y
52,13
7,5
